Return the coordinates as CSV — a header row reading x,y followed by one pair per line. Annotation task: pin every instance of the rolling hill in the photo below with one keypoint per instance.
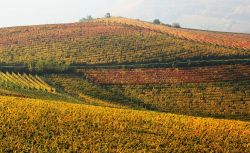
x,y
123,85
116,41
137,64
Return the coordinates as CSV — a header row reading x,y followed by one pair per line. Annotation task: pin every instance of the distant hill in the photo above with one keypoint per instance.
x,y
117,41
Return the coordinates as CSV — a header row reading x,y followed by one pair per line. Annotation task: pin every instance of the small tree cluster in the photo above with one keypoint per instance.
x,y
107,15
47,65
88,18
157,21
176,25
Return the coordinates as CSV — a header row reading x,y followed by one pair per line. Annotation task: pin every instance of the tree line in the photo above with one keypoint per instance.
x,y
47,65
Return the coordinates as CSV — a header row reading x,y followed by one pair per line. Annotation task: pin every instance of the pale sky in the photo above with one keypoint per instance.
x,y
219,15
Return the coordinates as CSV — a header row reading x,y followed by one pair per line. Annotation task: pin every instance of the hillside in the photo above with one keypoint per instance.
x,y
31,86
48,126
135,76
123,85
221,96
117,41
219,38
119,62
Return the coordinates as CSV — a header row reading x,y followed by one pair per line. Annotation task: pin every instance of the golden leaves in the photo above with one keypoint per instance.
x,y
46,126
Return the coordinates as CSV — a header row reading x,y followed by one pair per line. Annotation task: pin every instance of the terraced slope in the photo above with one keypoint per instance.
x,y
108,41
29,125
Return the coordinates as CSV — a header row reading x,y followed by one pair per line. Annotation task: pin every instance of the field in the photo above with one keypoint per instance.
x,y
123,85
224,99
101,43
31,86
168,75
219,38
25,81
47,126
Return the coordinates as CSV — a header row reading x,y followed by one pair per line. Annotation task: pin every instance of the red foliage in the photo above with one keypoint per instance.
x,y
50,33
221,38
169,75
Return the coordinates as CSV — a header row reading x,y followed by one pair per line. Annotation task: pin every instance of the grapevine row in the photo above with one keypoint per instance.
x,y
25,81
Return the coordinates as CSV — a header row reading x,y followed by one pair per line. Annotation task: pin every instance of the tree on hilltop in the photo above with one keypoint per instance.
x,y
88,18
157,21
107,15
176,25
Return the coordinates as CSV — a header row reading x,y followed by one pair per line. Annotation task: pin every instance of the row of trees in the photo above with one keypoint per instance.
x,y
48,65
175,24
89,17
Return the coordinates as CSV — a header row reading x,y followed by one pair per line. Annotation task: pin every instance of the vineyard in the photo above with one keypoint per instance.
x,y
99,42
48,126
32,86
217,91
223,99
219,38
24,81
96,95
123,85
168,75
220,99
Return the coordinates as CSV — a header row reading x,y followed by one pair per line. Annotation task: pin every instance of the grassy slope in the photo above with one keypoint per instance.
x,y
47,126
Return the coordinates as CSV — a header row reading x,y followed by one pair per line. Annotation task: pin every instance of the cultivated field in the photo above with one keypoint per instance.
x,y
100,42
29,125
123,85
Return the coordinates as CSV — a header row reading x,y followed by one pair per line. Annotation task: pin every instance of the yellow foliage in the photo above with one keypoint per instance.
x,y
29,125
26,81
100,102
